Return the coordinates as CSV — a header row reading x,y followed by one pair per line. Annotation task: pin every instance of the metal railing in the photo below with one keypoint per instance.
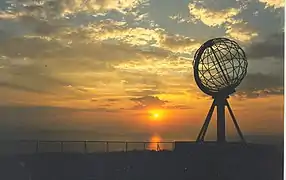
x,y
40,146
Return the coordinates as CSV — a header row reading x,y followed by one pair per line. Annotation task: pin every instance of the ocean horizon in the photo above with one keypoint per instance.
x,y
10,142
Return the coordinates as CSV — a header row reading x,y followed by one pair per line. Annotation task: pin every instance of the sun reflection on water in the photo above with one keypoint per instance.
x,y
155,143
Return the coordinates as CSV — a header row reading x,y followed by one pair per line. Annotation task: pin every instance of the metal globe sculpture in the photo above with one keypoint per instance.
x,y
220,65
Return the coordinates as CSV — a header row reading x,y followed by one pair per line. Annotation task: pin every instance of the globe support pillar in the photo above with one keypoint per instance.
x,y
220,102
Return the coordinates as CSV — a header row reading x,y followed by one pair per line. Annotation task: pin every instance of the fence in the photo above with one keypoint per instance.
x,y
34,146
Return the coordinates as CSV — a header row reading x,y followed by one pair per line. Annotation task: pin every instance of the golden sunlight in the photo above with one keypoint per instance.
x,y
155,114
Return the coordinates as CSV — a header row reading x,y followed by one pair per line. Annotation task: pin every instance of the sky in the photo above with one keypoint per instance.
x,y
122,69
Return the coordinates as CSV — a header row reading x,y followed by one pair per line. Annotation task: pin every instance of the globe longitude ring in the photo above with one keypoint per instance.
x,y
219,65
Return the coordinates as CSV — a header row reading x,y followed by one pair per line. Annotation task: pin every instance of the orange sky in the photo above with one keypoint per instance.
x,y
107,67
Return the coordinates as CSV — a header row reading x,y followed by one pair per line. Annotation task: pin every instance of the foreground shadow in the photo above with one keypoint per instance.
x,y
199,162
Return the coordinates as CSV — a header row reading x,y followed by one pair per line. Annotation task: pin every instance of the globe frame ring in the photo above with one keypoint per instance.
x,y
228,89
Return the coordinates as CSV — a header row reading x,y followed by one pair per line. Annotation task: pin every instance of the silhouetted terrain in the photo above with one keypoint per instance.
x,y
233,162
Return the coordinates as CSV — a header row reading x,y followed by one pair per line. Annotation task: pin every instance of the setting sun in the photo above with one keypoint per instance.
x,y
155,114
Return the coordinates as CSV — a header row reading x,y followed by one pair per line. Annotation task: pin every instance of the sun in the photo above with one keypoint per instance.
x,y
155,115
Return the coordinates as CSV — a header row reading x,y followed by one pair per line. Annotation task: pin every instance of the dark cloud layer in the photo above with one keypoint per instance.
x,y
261,81
40,27
260,85
143,93
155,102
273,46
148,102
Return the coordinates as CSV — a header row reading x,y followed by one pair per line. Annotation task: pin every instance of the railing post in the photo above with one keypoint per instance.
x,y
62,146
144,146
85,147
37,147
126,146
106,147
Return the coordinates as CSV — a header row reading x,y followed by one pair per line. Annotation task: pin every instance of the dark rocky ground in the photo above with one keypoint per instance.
x,y
199,163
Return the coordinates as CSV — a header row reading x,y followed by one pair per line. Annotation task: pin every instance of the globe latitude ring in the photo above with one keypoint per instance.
x,y
220,65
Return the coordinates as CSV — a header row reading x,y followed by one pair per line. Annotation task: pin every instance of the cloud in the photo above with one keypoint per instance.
x,y
55,40
261,81
260,85
94,100
154,37
75,57
272,46
112,100
259,93
110,30
29,47
61,8
133,36
143,92
212,17
273,3
241,32
227,18
178,107
120,5
153,102
157,67
39,26
7,16
42,49
148,102
181,44
179,19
